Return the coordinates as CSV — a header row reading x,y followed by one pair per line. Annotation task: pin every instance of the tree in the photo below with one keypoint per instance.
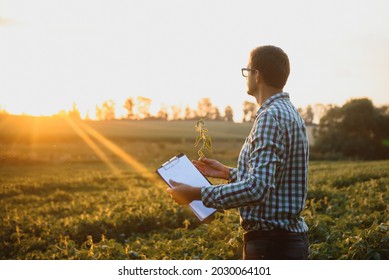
x,y
87,117
307,114
189,114
249,111
176,112
143,106
204,108
99,113
215,114
129,106
106,111
319,110
74,113
109,109
355,130
162,113
228,114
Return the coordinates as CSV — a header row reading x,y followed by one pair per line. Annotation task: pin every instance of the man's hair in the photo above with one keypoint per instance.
x,y
273,63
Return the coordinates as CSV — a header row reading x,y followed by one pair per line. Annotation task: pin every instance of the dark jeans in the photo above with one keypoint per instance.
x,y
275,245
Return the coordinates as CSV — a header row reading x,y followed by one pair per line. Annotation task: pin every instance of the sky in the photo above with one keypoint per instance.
x,y
54,53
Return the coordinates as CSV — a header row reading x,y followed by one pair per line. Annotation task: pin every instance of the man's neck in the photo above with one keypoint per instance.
x,y
265,92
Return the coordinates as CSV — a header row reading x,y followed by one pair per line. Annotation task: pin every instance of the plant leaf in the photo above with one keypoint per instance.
x,y
198,140
208,143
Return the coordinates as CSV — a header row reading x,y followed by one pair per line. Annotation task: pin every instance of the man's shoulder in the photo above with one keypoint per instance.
x,y
279,107
282,111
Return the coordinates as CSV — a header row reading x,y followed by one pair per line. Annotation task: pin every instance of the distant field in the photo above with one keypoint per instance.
x,y
29,129
48,139
61,198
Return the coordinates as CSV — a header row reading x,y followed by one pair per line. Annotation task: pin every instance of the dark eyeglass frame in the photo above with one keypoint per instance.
x,y
245,71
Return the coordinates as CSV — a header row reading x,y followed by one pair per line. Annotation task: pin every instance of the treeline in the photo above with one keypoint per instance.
x,y
139,109
356,130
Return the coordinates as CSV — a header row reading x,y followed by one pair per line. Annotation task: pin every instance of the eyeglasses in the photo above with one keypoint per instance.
x,y
245,71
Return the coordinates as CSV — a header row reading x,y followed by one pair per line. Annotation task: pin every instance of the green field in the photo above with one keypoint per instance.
x,y
62,198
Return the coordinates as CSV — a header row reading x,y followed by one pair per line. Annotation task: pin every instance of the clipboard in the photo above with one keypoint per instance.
x,y
181,169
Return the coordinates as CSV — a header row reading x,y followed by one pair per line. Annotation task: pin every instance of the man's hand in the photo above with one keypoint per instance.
x,y
212,168
184,194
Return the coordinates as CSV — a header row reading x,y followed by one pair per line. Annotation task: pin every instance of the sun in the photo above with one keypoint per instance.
x,y
39,109
45,106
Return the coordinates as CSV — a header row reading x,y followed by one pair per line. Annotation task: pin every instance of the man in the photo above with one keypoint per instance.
x,y
269,185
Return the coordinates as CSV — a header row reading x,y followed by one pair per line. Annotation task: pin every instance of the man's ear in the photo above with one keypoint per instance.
x,y
258,77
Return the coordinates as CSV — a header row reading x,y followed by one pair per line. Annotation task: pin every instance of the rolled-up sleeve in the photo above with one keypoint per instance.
x,y
233,175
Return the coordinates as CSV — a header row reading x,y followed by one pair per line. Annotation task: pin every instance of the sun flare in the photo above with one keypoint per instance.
x,y
87,133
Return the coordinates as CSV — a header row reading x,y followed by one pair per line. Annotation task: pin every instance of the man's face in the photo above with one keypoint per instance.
x,y
251,80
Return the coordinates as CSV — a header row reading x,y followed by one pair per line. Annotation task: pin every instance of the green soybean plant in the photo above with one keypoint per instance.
x,y
206,141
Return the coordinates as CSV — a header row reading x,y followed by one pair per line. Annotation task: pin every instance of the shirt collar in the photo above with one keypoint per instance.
x,y
271,99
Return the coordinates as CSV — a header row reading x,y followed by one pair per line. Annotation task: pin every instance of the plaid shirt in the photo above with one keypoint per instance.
x,y
270,184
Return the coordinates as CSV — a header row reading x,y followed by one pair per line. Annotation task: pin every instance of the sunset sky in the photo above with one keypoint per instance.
x,y
54,53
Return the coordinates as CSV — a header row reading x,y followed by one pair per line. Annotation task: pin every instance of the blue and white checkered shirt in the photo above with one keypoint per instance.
x,y
270,184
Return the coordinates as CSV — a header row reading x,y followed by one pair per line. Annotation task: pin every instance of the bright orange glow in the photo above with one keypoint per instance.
x,y
143,171
91,144
85,131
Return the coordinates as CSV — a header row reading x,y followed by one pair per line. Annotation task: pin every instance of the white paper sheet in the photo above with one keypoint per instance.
x,y
182,170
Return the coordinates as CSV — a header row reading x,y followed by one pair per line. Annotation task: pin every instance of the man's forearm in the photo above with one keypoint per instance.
x,y
195,193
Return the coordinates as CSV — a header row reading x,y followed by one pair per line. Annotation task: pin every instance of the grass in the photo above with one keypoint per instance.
x,y
58,200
